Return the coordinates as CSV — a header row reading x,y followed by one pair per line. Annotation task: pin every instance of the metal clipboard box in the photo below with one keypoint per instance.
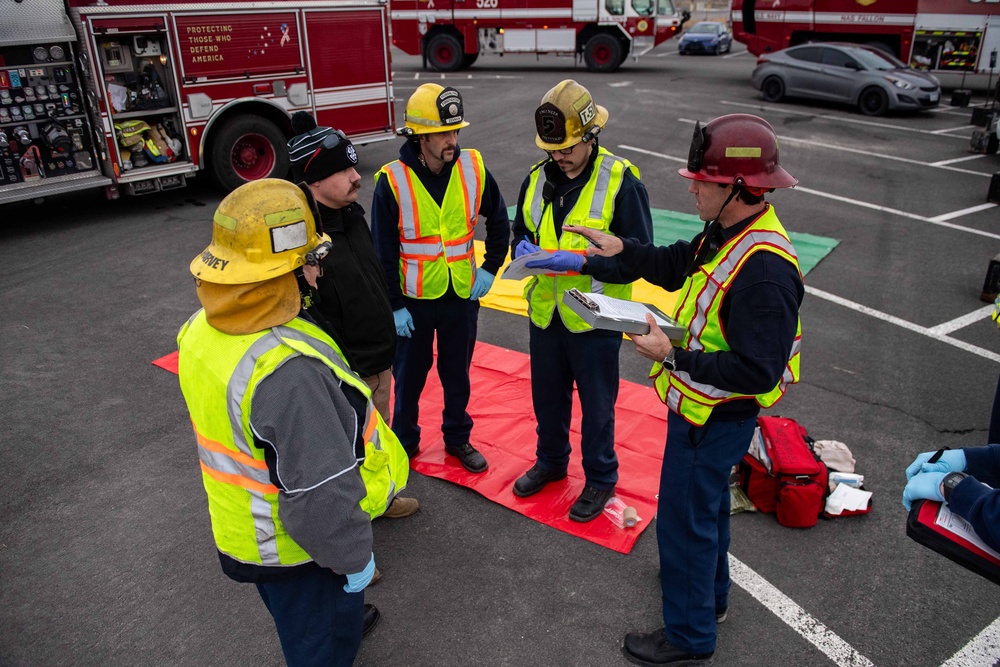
x,y
631,322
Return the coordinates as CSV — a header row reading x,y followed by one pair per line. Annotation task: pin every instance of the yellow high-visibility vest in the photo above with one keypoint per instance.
x,y
436,242
219,374
594,209
699,308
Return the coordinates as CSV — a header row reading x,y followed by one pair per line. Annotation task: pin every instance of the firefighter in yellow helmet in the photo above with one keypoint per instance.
x,y
295,460
425,215
739,294
578,183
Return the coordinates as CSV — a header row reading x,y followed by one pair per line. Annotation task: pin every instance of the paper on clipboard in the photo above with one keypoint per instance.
x,y
517,268
956,524
605,312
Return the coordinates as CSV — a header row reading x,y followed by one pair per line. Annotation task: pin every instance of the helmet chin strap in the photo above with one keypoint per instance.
x,y
709,246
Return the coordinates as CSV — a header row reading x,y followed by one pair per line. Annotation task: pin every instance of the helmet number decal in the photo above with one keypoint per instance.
x,y
450,109
587,113
289,237
550,123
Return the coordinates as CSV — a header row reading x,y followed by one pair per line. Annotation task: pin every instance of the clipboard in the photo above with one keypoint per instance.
x,y
927,524
605,312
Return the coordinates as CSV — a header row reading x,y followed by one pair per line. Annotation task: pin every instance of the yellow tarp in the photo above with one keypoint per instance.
x,y
506,294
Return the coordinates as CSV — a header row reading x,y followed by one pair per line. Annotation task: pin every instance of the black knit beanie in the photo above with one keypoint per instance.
x,y
311,161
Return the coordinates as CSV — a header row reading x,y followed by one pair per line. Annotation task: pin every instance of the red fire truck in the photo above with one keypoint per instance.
x,y
938,35
137,96
451,34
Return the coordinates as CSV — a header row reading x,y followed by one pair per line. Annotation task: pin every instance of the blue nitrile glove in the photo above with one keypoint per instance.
x,y
404,322
952,460
525,247
482,284
926,485
561,260
358,581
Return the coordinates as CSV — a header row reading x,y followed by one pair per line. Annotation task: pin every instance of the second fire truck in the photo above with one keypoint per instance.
x,y
452,34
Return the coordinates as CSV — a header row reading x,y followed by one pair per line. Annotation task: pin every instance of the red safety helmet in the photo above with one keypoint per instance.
x,y
738,149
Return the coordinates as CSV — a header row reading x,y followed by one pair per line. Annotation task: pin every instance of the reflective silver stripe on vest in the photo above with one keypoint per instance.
x,y
413,248
470,179
407,223
674,399
722,272
459,251
601,187
536,201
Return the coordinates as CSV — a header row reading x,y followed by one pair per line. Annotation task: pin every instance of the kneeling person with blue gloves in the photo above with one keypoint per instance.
x,y
295,459
967,479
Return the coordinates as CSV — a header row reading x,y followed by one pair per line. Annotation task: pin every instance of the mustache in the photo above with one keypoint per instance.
x,y
355,186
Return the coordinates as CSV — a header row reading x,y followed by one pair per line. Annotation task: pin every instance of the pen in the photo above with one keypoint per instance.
x,y
594,243
937,455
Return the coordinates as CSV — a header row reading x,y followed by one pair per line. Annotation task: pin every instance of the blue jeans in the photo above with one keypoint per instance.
x,y
692,526
456,322
318,622
558,358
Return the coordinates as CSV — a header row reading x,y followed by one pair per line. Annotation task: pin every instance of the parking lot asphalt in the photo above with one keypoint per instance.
x,y
106,557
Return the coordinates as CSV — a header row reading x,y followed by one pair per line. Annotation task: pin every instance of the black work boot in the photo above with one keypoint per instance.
x,y
590,503
535,480
371,619
652,649
470,458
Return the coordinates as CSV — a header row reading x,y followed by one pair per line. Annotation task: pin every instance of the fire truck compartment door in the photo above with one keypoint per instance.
x,y
584,10
530,41
35,22
991,42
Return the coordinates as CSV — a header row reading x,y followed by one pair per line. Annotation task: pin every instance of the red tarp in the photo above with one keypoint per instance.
x,y
504,432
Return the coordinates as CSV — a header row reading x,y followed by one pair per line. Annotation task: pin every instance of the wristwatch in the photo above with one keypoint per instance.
x,y
949,483
668,361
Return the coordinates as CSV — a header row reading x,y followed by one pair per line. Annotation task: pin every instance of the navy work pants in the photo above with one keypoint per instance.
x,y
590,358
692,526
455,321
318,622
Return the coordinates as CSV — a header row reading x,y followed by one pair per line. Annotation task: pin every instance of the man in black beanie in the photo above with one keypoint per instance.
x,y
349,298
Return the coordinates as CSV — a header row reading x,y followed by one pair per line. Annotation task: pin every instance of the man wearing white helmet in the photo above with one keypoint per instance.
x,y
579,183
424,219
295,459
739,294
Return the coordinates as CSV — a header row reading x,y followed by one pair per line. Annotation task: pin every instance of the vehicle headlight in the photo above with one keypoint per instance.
x,y
899,83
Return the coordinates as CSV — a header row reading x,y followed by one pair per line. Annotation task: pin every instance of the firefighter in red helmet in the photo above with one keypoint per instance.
x,y
740,292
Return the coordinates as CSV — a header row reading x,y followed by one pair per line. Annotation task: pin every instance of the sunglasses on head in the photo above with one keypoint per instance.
x,y
331,140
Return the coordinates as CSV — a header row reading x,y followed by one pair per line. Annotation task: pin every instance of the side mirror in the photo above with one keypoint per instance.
x,y
685,16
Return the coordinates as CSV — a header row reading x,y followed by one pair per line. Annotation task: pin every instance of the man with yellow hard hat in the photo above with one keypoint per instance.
x,y
424,219
295,459
579,183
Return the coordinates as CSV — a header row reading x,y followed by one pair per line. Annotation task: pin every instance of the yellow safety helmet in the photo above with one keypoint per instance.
x,y
566,116
263,229
432,108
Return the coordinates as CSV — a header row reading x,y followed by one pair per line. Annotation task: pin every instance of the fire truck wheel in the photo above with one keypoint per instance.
x,y
602,53
445,52
773,89
873,101
247,148
469,59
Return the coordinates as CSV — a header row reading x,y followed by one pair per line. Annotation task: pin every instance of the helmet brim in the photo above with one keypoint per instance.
x,y
601,120
232,268
779,178
430,129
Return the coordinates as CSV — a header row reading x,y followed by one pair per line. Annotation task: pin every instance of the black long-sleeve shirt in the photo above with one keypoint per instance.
x,y
385,220
631,218
759,316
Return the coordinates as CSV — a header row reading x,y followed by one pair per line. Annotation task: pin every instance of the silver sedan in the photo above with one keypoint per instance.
x,y
871,79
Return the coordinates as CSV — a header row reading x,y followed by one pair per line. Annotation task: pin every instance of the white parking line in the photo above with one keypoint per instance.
x,y
620,84
981,651
841,119
953,129
666,53
846,200
941,163
892,319
946,328
883,156
964,211
782,606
